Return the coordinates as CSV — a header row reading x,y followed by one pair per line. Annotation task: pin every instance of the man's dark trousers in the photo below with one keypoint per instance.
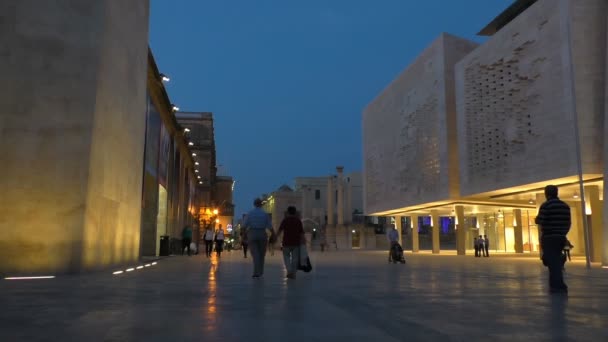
x,y
554,260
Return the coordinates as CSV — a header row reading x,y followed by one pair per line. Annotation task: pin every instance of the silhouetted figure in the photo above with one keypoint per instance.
x,y
486,246
293,237
244,242
554,220
219,241
208,241
186,239
476,245
256,223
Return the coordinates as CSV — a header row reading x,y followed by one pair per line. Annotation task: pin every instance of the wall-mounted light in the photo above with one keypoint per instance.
x,y
195,163
200,182
186,130
215,211
196,171
194,154
199,177
174,108
217,220
575,195
191,144
164,78
531,201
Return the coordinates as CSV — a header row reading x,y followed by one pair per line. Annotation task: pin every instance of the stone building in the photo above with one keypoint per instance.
x,y
95,166
518,99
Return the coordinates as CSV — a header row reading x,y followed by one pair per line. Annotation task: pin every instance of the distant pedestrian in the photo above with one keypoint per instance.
x,y
567,247
256,223
293,237
486,246
186,239
476,246
323,239
554,220
208,241
244,242
219,241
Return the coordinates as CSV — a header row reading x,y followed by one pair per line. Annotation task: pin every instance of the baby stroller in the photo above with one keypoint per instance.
x,y
396,254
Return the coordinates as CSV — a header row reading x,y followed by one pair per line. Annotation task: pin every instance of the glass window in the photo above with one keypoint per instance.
x,y
317,194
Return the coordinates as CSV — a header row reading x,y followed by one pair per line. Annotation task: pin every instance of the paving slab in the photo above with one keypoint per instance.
x,y
349,296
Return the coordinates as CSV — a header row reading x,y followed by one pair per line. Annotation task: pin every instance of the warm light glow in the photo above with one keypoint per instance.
x,y
117,272
147,265
29,278
175,108
194,154
575,196
200,182
164,78
314,229
154,263
604,266
130,269
196,171
191,144
217,220
195,163
353,231
186,130
215,211
199,177
139,267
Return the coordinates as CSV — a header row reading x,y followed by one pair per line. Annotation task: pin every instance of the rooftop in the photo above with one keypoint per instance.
x,y
517,8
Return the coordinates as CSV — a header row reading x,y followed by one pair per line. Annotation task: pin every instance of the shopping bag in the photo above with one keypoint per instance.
x,y
193,247
304,260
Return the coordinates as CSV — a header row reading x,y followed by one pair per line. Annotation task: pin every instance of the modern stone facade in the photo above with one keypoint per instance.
x,y
516,100
71,142
409,141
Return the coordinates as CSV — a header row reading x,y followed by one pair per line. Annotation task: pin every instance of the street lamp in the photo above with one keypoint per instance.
x,y
215,211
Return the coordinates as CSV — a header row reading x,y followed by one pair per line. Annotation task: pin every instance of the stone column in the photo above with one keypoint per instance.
x,y
399,226
461,232
518,231
349,203
304,208
594,205
340,188
415,239
72,118
435,231
330,201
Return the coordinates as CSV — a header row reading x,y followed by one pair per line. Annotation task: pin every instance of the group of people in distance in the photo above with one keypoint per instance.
x,y
482,246
212,237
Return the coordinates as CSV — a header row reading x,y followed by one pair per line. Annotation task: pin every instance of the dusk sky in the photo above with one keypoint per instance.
x,y
287,80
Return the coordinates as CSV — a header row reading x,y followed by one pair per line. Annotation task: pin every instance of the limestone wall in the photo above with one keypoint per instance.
x,y
515,122
72,114
408,134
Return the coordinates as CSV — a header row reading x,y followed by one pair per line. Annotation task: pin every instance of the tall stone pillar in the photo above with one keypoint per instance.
x,y
592,197
330,201
72,118
304,210
349,203
461,231
518,231
330,229
340,188
480,225
415,238
435,231
399,226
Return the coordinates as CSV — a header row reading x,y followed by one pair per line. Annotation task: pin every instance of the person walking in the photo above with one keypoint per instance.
x,y
323,239
486,246
567,247
186,239
476,246
244,242
293,236
208,241
554,221
219,241
393,240
255,225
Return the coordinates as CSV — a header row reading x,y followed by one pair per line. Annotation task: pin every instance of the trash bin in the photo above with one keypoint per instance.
x,y
164,245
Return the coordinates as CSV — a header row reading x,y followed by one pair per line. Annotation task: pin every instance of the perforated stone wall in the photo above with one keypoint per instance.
x,y
515,118
405,132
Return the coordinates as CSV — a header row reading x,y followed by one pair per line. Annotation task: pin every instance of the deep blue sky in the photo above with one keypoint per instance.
x,y
287,80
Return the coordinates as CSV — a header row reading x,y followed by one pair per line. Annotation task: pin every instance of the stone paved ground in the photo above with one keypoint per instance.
x,y
350,296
